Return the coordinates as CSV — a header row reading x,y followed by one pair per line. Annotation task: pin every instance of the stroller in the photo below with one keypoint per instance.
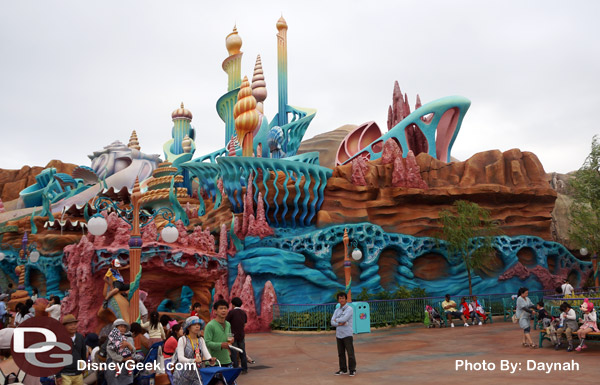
x,y
435,319
146,377
215,375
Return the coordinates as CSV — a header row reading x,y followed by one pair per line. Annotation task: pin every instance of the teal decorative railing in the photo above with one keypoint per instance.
x,y
206,173
383,312
307,187
294,131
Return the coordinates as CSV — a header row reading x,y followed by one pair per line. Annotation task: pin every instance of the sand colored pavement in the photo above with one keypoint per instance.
x,y
416,355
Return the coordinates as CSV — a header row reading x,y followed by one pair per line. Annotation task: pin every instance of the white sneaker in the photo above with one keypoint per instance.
x,y
452,325
480,323
466,325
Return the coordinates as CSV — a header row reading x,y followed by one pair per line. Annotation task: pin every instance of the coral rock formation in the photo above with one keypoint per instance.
x,y
512,185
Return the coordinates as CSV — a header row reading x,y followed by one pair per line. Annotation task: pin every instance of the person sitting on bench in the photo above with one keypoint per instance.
x,y
449,307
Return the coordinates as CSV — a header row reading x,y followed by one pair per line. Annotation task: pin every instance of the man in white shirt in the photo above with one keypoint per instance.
x,y
342,320
566,287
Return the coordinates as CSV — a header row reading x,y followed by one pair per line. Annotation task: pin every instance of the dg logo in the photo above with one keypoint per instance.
x,y
41,346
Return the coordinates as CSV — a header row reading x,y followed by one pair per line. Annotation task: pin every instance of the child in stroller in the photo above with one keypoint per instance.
x,y
435,319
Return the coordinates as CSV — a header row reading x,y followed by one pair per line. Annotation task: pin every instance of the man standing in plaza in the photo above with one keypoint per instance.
x,y
238,318
217,334
342,320
70,375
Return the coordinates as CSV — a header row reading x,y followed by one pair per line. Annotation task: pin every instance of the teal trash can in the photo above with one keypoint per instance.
x,y
362,317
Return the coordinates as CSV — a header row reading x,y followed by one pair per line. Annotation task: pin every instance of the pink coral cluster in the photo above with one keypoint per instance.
x,y
250,225
548,280
223,241
391,151
359,171
191,211
259,227
202,240
406,173
79,302
149,232
242,288
116,236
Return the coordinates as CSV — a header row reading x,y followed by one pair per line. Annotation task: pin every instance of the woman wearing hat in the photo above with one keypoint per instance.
x,y
119,350
9,370
190,348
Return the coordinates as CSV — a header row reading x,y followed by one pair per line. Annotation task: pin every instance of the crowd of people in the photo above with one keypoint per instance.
x,y
465,311
190,340
566,323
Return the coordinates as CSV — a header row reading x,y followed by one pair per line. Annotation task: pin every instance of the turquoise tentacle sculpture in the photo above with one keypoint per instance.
x,y
440,130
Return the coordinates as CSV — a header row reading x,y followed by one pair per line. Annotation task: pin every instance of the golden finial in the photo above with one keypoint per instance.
x,y
281,23
233,42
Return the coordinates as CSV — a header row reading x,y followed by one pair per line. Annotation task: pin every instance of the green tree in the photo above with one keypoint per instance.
x,y
469,233
584,188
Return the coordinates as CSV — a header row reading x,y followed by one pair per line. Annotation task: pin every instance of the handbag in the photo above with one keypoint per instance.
x,y
161,361
515,319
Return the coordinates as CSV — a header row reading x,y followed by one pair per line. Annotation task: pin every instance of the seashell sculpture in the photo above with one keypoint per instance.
x,y
259,86
186,144
275,142
133,141
246,117
233,145
356,140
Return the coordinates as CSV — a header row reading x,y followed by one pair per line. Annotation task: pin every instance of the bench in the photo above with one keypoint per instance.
x,y
594,336
509,306
488,311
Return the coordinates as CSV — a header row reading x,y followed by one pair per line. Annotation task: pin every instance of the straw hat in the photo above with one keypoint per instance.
x,y
68,319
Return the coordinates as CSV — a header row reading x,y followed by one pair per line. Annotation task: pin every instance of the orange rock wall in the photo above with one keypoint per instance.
x,y
511,184
13,181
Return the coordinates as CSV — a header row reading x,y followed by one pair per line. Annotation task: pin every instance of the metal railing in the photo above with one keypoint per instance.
x,y
382,312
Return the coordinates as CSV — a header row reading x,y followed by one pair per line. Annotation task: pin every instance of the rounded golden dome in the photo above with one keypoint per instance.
x,y
281,24
233,42
181,113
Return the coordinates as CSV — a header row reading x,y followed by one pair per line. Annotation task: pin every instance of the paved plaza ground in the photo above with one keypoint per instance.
x,y
415,355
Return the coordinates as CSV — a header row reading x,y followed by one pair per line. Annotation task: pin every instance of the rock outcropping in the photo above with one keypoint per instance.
x,y
13,181
511,184
326,144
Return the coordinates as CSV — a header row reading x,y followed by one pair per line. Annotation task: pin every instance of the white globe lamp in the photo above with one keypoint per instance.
x,y
97,225
34,256
2,256
583,251
356,254
169,233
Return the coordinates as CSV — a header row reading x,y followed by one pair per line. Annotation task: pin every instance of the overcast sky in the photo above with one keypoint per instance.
x,y
77,75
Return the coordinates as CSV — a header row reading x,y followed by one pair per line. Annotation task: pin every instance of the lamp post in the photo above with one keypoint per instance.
x,y
28,253
97,225
356,255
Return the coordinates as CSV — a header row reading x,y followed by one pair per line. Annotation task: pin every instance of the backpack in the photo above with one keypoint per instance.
x,y
12,378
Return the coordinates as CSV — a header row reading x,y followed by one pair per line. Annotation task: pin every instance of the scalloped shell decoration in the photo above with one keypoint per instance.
x,y
356,140
259,86
186,144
